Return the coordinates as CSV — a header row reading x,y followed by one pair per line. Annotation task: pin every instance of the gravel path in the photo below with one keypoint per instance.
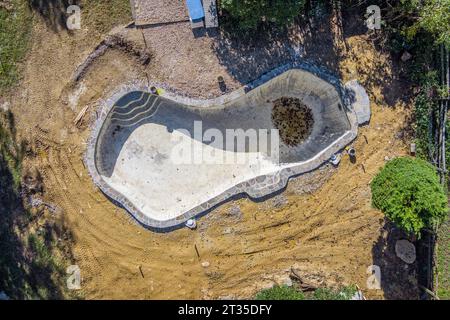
x,y
186,61
191,61
147,12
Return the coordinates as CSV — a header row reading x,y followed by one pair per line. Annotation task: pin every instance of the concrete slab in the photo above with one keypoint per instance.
x,y
211,18
360,101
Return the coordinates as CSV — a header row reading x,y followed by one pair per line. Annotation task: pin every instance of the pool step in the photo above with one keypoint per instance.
x,y
139,115
129,112
131,104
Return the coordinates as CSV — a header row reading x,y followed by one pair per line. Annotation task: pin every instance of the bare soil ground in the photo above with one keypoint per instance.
x,y
323,224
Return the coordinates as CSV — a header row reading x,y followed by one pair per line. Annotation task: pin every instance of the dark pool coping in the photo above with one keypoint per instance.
x,y
257,187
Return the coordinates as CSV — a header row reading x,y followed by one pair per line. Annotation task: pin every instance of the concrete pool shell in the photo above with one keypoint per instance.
x,y
129,154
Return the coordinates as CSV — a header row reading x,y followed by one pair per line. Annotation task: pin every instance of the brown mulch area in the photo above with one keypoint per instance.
x,y
293,119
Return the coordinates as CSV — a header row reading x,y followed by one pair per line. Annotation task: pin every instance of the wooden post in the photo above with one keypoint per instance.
x,y
413,149
133,10
196,251
443,104
444,158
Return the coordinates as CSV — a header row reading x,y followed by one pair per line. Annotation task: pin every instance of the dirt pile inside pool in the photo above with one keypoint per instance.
x,y
293,119
323,224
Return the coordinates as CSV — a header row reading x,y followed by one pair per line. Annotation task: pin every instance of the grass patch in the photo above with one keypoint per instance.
x,y
11,152
280,293
291,293
31,257
103,15
16,20
15,27
43,257
346,293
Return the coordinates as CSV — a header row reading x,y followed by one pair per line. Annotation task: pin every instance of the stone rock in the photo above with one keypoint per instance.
x,y
205,264
399,135
227,297
227,230
191,224
4,106
235,211
288,282
406,251
359,101
406,56
358,296
279,201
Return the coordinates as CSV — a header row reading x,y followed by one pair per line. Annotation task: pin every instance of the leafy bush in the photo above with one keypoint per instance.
x,y
407,190
280,293
433,17
249,14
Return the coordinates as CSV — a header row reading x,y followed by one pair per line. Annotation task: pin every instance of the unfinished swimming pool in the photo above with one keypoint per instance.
x,y
167,158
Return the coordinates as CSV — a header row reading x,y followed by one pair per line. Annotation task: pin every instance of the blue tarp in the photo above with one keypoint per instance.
x,y
195,9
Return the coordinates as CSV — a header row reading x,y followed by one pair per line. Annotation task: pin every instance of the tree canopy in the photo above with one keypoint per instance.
x,y
249,14
433,16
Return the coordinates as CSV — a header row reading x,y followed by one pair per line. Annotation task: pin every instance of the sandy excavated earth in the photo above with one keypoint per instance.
x,y
323,225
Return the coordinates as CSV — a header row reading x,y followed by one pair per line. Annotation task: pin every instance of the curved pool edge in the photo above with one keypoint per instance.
x,y
257,187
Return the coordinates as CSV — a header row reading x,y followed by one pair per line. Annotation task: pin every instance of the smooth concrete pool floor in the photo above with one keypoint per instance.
x,y
145,172
137,157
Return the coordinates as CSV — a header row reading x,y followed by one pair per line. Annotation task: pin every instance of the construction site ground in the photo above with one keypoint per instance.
x,y
323,225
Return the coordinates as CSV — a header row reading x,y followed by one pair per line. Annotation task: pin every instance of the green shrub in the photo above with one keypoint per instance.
x,y
411,18
280,293
407,190
433,17
249,14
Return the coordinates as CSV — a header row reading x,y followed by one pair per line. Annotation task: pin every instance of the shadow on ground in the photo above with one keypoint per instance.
x,y
398,279
54,12
320,37
389,76
247,56
28,268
